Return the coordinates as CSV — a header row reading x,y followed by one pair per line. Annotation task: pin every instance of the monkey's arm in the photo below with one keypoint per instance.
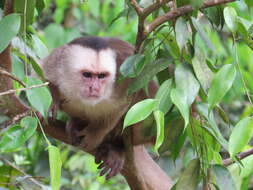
x,y
94,134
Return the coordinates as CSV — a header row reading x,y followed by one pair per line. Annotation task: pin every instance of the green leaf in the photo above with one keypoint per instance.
x,y
190,176
36,67
212,126
242,30
163,95
40,5
55,164
17,135
9,27
215,15
94,7
148,74
187,88
202,33
220,85
159,118
140,111
186,82
123,13
18,67
241,135
25,8
39,47
12,139
182,33
249,3
39,98
224,179
180,101
55,35
230,17
202,71
29,124
132,66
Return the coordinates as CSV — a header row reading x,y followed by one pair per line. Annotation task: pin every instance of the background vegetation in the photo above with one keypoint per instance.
x,y
202,60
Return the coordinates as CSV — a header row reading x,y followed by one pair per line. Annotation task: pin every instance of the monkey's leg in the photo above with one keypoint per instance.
x,y
111,157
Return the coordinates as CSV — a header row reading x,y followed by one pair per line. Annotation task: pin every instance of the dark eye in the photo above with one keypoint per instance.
x,y
87,74
101,75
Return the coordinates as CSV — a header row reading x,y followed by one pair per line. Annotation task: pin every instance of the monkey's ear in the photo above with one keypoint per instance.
x,y
122,49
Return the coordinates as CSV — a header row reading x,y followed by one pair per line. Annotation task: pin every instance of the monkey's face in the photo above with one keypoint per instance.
x,y
89,75
95,84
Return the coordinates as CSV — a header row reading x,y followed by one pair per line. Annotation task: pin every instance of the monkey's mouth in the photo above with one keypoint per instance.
x,y
93,96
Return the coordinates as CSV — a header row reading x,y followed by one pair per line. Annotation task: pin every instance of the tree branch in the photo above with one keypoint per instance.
x,y
138,9
242,155
12,91
147,11
4,72
144,31
181,11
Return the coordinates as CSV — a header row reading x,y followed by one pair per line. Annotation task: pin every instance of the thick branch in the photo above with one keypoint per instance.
x,y
242,155
181,11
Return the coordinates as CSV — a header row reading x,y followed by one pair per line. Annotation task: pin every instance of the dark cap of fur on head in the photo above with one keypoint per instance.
x,y
93,42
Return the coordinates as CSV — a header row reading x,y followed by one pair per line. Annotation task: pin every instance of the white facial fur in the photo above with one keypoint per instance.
x,y
82,58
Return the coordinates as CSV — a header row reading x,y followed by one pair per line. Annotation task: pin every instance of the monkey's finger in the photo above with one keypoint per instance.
x,y
104,171
102,165
114,171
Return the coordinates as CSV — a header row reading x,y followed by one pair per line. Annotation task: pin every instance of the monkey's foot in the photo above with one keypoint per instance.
x,y
111,160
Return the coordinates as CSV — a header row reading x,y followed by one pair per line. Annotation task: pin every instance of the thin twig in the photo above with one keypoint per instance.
x,y
242,155
12,91
4,72
16,118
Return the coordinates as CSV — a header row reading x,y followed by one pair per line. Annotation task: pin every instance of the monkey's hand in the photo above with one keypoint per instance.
x,y
91,138
111,160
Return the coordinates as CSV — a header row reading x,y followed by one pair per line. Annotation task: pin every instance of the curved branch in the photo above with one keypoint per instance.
x,y
3,72
138,9
147,11
181,11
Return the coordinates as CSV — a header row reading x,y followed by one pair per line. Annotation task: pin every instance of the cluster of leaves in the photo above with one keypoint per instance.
x,y
201,65
202,78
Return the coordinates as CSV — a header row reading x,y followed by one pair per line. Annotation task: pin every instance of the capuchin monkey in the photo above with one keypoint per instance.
x,y
83,80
